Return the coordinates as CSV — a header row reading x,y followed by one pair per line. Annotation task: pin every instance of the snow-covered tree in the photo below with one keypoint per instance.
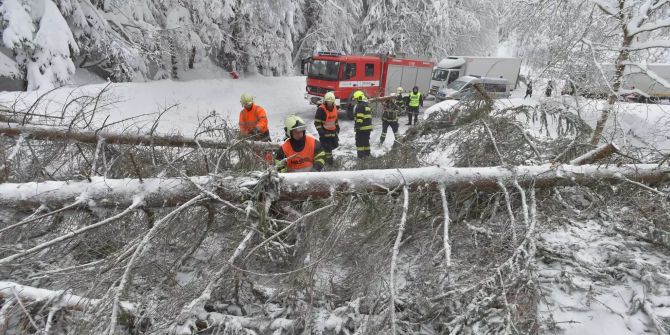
x,y
18,30
50,64
328,26
642,25
41,40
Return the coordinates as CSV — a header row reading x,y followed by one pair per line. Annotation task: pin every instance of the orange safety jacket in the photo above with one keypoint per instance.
x,y
330,123
256,117
302,161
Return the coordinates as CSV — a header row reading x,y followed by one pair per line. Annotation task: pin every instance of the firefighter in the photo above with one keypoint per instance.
x,y
390,115
415,100
300,152
327,125
253,120
363,125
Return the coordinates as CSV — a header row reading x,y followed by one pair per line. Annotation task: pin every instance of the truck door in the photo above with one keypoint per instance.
x,y
453,75
371,79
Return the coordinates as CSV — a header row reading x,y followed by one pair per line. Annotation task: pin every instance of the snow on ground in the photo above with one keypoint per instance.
x,y
197,98
577,301
635,125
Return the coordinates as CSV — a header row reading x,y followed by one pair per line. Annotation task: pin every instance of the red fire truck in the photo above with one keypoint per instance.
x,y
376,75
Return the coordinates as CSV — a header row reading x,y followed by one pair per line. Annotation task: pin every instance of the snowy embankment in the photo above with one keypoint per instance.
x,y
633,126
187,101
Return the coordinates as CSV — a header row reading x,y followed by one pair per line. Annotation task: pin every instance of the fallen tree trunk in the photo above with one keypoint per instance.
x,y
170,192
92,137
596,154
62,299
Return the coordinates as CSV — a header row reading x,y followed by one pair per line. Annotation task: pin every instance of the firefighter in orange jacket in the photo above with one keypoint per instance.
x,y
326,124
301,152
253,120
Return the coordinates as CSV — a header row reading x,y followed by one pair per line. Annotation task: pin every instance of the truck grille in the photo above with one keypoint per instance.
x,y
317,90
434,89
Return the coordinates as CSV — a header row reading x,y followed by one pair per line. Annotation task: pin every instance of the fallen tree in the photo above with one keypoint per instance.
x,y
62,299
93,137
159,192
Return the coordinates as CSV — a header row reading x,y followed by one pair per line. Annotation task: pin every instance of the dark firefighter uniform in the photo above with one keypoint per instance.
x,y
390,116
327,126
363,125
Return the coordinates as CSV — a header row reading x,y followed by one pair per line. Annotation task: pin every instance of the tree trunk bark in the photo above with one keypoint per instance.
x,y
158,192
60,298
60,134
596,154
618,78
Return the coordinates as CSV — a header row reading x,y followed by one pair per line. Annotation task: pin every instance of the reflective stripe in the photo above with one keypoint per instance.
x,y
361,83
363,148
365,128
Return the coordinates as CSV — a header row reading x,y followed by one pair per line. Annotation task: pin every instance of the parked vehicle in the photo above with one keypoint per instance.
x,y
638,85
375,75
463,87
454,67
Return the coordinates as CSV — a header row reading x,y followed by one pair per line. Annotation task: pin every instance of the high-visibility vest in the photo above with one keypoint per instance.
x,y
301,161
331,118
414,99
249,119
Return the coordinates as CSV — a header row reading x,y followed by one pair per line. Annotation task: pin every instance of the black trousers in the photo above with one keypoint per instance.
x,y
413,111
363,143
385,125
329,144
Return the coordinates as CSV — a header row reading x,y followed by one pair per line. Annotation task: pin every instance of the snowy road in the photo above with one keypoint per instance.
x,y
191,101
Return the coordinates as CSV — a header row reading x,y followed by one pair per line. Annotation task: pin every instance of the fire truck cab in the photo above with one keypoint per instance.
x,y
375,75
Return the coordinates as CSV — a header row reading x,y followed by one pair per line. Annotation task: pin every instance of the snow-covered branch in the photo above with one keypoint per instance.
x,y
637,46
62,299
93,137
595,154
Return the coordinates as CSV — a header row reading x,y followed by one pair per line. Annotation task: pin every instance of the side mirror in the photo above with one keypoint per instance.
x,y
304,66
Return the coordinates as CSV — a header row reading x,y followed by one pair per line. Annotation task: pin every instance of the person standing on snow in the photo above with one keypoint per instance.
x,y
529,90
415,100
253,120
550,87
327,125
300,152
390,115
362,125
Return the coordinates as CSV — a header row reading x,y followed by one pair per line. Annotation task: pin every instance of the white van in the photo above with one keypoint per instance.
x,y
496,88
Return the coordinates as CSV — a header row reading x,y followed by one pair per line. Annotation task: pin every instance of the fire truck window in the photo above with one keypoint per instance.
x,y
324,69
349,71
369,70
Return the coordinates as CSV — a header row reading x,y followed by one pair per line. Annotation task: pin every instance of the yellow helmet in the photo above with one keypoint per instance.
x,y
399,90
246,99
358,95
294,122
329,97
